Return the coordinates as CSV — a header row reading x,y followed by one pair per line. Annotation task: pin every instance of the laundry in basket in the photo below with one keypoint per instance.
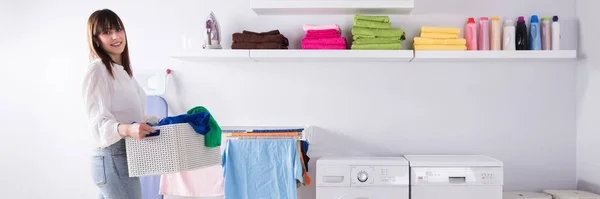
x,y
174,148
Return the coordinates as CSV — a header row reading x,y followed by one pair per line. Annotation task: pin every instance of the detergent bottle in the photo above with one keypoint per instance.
x,y
484,34
471,34
535,40
508,35
555,33
495,34
521,34
546,34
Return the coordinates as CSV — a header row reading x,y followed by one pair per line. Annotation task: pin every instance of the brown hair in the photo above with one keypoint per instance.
x,y
98,22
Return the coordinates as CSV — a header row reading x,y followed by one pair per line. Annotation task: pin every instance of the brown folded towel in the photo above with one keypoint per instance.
x,y
254,38
265,45
272,32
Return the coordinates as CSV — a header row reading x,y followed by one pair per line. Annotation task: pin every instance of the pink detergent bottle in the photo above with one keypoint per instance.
x,y
484,34
471,34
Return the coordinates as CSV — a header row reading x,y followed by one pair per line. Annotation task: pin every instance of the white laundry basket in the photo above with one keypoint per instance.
x,y
177,147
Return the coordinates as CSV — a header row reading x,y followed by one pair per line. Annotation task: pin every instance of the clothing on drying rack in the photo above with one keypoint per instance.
x,y
213,137
198,121
258,168
265,40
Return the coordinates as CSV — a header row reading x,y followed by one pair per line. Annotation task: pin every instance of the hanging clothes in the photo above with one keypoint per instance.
x,y
266,169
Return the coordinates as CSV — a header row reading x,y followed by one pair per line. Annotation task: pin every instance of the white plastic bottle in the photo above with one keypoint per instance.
x,y
508,35
555,33
495,34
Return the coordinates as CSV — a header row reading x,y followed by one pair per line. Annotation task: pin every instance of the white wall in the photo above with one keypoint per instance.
x,y
523,114
588,114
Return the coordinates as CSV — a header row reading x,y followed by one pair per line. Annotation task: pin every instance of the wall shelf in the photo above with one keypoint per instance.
x,y
333,55
323,7
483,56
213,55
297,55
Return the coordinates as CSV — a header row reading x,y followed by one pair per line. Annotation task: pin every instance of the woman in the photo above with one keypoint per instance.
x,y
115,105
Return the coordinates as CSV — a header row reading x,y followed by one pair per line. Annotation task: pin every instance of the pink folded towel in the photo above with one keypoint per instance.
x,y
324,46
308,27
329,33
338,40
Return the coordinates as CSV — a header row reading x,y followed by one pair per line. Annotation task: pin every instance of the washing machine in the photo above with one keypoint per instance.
x,y
572,194
362,178
455,177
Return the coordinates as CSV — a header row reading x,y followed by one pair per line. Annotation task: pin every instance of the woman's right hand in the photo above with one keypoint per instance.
x,y
137,130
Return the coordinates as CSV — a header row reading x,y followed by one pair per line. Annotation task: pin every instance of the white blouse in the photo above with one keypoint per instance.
x,y
110,102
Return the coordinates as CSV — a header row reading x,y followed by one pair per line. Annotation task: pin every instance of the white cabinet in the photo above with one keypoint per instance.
x,y
323,7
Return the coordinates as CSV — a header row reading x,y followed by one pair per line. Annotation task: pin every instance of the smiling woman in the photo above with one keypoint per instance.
x,y
115,104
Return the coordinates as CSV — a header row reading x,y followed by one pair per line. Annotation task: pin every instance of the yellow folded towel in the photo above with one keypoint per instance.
x,y
429,41
440,30
439,35
440,47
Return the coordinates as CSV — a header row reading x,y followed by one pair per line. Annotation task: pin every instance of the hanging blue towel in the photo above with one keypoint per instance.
x,y
261,169
199,121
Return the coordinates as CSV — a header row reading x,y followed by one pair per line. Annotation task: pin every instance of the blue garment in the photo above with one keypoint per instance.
x,y
199,121
261,169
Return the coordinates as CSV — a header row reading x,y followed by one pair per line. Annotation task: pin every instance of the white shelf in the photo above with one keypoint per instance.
x,y
297,55
323,7
485,56
213,55
333,55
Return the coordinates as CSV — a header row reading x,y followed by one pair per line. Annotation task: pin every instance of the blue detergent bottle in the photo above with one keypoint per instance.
x,y
535,40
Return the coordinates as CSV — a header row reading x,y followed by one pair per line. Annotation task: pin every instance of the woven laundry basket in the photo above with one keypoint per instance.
x,y
177,147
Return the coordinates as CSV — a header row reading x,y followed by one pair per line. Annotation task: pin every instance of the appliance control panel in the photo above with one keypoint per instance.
x,y
457,176
379,176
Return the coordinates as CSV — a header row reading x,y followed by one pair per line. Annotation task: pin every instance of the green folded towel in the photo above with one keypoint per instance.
x,y
371,24
380,40
384,19
378,32
213,137
394,46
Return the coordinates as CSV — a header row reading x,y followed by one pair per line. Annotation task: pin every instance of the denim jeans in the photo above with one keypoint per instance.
x,y
111,175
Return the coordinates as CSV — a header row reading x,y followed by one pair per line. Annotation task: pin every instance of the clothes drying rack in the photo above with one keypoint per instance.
x,y
304,133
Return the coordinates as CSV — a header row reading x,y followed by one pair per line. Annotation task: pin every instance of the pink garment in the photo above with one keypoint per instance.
x,y
324,46
308,27
339,40
205,182
329,33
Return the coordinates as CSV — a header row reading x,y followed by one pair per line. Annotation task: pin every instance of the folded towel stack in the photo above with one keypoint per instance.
x,y
265,40
439,38
323,37
376,33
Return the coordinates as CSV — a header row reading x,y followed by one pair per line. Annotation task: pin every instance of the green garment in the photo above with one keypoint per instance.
x,y
393,46
371,24
383,19
378,32
380,40
213,137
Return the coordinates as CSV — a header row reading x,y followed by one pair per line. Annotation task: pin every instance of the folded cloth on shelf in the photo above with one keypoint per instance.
x,y
324,46
266,45
380,40
270,32
255,38
308,27
213,137
256,168
377,32
371,24
440,47
339,40
198,121
429,41
329,33
384,19
438,35
204,182
440,30
391,46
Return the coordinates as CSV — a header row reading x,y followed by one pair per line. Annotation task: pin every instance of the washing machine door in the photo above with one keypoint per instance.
x,y
374,193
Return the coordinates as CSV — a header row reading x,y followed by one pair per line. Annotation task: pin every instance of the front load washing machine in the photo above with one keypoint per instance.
x,y
455,177
362,178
